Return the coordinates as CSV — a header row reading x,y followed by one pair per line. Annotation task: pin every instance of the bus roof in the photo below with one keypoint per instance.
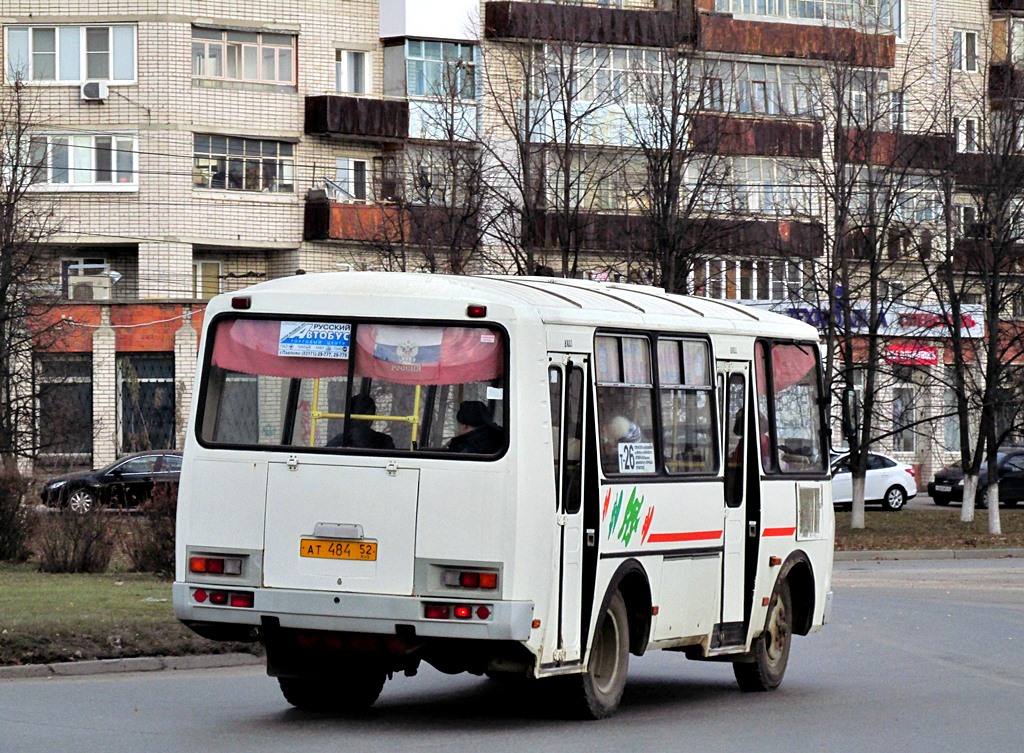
x,y
551,299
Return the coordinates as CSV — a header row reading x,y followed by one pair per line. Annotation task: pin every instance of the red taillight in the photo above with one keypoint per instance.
x,y
436,611
476,311
488,580
215,565
463,612
910,470
241,302
469,580
241,599
199,595
218,597
483,612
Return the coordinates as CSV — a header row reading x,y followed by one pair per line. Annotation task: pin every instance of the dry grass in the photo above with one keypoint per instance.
x,y
928,529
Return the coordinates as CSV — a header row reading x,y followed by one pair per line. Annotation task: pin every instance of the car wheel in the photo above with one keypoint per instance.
x,y
596,693
894,499
81,501
764,667
1010,502
940,501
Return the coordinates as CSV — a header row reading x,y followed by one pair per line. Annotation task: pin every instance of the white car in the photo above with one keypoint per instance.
x,y
887,482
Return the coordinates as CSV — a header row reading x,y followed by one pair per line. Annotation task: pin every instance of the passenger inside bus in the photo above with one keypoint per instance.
x,y
359,433
477,431
616,431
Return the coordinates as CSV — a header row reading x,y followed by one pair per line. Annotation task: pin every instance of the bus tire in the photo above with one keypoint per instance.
x,y
600,688
764,667
356,690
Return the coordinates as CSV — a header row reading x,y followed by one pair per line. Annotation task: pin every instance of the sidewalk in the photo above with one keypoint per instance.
x,y
212,661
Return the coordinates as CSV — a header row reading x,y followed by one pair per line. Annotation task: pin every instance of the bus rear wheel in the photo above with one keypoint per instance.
x,y
765,665
599,689
354,690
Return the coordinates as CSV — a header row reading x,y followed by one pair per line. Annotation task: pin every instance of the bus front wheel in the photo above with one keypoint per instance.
x,y
356,690
763,668
600,687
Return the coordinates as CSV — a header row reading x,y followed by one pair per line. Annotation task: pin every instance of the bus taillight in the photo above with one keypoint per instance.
x,y
471,579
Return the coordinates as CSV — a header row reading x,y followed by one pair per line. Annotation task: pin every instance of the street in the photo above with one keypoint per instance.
x,y
920,656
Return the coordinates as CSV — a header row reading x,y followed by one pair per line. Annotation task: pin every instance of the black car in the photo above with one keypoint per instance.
x,y
126,483
948,484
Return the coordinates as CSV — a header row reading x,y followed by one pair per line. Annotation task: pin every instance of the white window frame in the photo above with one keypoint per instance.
x,y
217,167
968,134
351,178
770,279
94,271
965,50
22,60
419,57
245,48
345,80
77,162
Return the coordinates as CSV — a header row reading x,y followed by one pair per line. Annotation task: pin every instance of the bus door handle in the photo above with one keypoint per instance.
x,y
591,537
752,529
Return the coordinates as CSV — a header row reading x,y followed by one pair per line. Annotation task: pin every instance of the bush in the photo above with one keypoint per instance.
x,y
71,542
17,519
149,540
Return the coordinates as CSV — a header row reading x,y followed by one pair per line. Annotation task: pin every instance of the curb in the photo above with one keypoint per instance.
x,y
117,666
930,554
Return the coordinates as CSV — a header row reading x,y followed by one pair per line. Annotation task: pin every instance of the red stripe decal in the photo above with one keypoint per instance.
x,y
779,532
668,538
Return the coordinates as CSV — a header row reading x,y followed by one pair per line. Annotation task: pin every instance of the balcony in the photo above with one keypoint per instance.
x,y
1005,5
585,24
916,151
389,224
362,118
756,137
712,236
723,33
1005,84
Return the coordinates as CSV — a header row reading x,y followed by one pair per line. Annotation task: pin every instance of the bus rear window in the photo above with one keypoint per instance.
x,y
347,386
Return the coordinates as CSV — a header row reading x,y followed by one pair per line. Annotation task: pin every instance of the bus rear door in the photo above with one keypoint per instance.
x,y
733,376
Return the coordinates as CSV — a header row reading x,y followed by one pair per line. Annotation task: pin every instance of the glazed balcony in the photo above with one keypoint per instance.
x,y
361,118
668,25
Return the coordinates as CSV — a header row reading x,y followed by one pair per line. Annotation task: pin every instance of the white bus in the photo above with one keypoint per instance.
x,y
501,475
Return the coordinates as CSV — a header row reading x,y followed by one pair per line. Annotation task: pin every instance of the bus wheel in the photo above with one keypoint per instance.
x,y
600,687
356,690
765,665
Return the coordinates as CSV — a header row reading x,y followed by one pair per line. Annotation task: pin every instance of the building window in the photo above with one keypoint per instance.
x,y
146,397
897,112
749,279
243,56
351,72
904,415
240,164
84,162
965,50
65,408
350,180
86,279
440,69
206,278
968,134
71,54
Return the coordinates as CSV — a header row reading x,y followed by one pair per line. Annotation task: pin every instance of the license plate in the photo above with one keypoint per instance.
x,y
335,549
943,488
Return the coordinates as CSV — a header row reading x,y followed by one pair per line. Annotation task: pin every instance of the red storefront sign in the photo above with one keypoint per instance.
x,y
910,354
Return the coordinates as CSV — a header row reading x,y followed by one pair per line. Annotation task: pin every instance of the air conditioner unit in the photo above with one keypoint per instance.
x,y
92,288
95,91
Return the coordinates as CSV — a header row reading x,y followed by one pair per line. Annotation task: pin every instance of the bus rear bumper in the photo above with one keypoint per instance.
x,y
357,613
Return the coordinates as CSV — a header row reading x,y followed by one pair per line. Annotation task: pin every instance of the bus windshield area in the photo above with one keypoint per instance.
x,y
345,386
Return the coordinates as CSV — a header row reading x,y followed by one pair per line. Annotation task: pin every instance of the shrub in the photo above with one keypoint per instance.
x,y
71,542
149,541
17,518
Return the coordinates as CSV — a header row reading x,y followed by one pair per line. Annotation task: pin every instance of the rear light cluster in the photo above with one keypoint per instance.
x,y
215,565
243,599
910,470
470,579
456,611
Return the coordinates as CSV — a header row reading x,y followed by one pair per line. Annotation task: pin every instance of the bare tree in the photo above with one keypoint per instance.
x,y
28,220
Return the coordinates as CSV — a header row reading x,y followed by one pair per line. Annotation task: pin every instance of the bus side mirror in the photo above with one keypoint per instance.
x,y
851,413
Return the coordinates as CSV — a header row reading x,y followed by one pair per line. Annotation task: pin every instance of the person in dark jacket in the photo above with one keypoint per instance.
x,y
358,432
477,431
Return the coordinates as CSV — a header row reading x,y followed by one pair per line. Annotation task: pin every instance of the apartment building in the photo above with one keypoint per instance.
x,y
194,148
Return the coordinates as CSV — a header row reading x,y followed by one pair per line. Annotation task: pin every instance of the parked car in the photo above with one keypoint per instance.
x,y
948,484
126,483
887,482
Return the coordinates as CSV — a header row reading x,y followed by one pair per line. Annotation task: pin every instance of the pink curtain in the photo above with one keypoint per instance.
x,y
400,354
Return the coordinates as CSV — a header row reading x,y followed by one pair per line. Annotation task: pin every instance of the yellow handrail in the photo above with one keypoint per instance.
x,y
316,414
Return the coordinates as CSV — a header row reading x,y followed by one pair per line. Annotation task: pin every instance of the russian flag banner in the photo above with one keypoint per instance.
x,y
410,347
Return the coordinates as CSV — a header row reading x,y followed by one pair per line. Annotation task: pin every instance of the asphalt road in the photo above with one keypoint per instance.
x,y
920,656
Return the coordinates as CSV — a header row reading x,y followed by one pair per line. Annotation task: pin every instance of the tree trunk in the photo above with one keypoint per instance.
x,y
970,490
992,498
857,506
